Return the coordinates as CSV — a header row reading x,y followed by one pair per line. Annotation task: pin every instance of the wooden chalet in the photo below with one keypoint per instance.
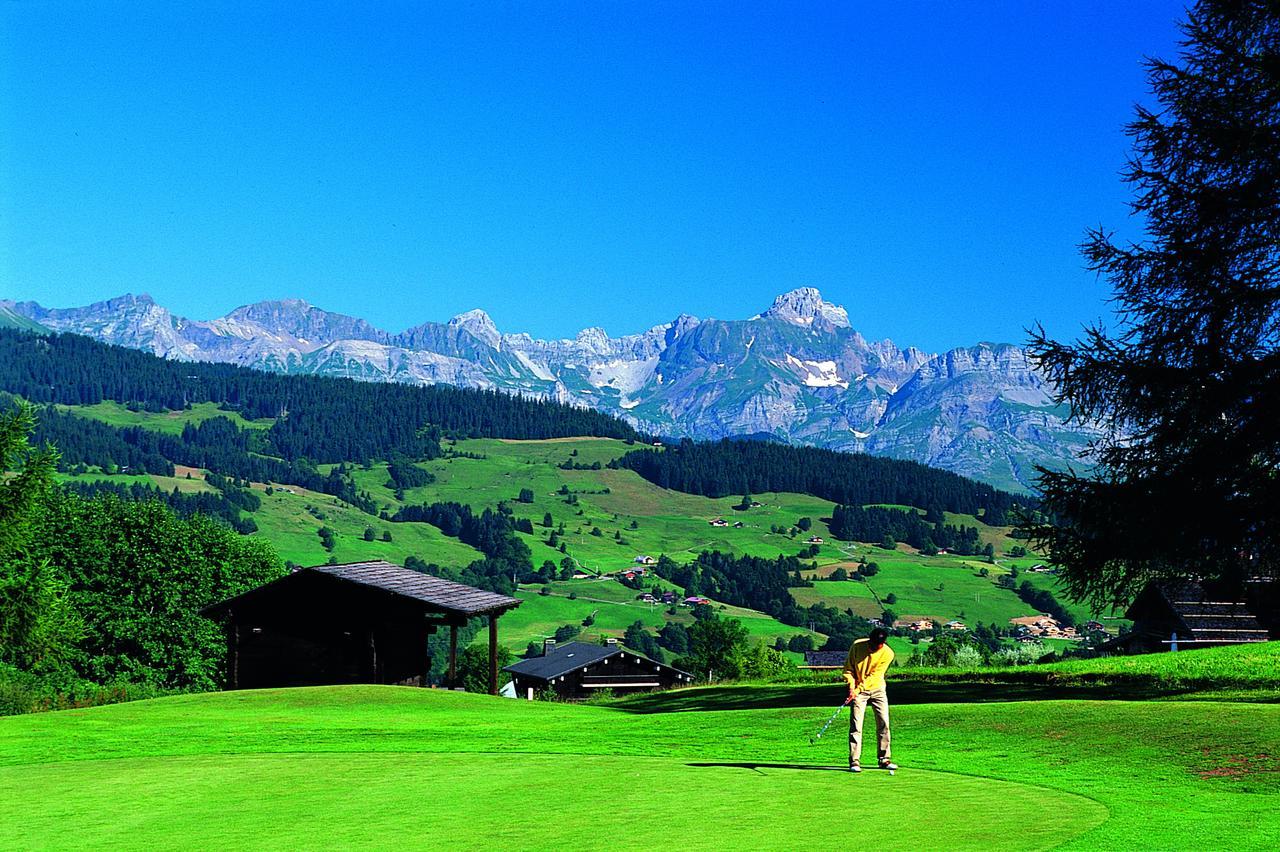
x,y
363,622
1170,616
579,669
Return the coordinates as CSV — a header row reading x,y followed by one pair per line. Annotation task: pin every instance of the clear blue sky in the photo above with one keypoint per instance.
x,y
931,166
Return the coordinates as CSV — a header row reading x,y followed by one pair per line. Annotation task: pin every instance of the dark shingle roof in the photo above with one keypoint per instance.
x,y
563,659
423,587
1206,616
434,592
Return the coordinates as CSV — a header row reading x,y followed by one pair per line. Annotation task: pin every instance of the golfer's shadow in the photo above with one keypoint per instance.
x,y
756,767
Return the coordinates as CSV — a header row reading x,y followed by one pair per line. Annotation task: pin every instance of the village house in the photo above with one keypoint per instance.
x,y
955,625
644,560
696,600
719,522
579,669
815,539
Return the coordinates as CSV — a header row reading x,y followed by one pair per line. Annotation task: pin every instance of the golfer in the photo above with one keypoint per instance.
x,y
864,670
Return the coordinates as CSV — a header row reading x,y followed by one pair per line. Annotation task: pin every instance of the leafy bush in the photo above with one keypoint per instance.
x,y
1022,654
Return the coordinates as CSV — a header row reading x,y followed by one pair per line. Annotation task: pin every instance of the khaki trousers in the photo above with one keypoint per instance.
x,y
879,701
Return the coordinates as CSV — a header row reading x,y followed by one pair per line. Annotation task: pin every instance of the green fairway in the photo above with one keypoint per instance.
x,y
706,768
472,801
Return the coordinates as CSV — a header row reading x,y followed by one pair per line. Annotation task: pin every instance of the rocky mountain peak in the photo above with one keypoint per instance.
x,y
479,325
804,306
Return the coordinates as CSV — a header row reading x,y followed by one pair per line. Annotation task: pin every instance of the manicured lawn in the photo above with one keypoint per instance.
x,y
705,768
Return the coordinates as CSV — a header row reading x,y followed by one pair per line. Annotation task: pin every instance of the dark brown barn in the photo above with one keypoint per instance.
x,y
579,669
1173,616
364,622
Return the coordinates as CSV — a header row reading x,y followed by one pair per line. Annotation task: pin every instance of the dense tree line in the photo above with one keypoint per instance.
x,y
323,419
184,505
405,474
84,442
216,444
493,533
723,468
137,576
878,523
753,582
99,590
1042,600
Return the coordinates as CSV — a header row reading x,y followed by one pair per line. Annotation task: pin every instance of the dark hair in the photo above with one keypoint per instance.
x,y
878,635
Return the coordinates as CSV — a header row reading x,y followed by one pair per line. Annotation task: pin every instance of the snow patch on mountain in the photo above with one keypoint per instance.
x,y
818,374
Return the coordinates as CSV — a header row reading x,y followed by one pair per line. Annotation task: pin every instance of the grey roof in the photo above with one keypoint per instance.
x,y
572,656
1206,618
444,594
394,579
563,659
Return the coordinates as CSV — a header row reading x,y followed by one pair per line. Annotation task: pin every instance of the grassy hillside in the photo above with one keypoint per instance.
x,y
10,319
632,516
707,768
1243,668
169,422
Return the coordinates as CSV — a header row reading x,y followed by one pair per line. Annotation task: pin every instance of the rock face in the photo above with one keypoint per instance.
x,y
797,372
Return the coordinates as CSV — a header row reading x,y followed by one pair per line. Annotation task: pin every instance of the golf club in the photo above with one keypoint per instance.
x,y
818,736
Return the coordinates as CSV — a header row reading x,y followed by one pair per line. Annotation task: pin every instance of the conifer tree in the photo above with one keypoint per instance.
x,y
1187,385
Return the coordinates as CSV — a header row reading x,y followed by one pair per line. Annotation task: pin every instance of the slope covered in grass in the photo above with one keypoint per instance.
x,y
604,519
708,768
1238,667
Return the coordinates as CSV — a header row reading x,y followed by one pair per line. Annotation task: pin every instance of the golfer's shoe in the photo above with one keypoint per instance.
x,y
853,767
888,764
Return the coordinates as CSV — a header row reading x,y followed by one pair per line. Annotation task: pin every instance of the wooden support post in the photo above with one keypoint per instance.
x,y
233,652
425,680
453,656
373,658
493,654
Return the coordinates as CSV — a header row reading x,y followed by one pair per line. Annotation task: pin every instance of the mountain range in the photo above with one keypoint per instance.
x,y
798,372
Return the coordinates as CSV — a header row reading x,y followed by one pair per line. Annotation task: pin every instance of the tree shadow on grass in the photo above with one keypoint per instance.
x,y
900,693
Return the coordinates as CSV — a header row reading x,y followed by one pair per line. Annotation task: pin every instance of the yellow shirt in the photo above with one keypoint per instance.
x,y
864,669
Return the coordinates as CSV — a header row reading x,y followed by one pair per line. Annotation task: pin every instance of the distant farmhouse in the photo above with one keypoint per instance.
x,y
1180,615
580,669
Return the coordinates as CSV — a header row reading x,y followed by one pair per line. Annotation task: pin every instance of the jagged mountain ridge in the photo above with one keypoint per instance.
x,y
797,371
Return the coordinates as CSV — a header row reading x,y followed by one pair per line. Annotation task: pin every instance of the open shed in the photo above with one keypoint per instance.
x,y
362,622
